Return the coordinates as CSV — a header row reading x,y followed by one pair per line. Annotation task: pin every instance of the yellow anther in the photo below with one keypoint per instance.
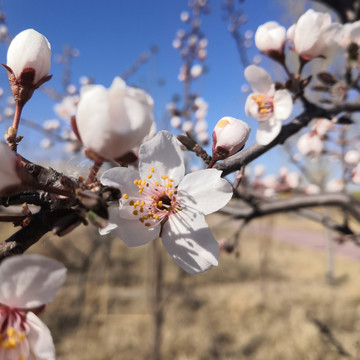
x,y
152,169
131,202
143,182
152,196
171,180
168,185
170,193
150,213
156,216
140,191
141,209
21,336
10,343
149,176
156,183
142,203
10,331
164,177
125,196
135,212
136,182
160,203
21,357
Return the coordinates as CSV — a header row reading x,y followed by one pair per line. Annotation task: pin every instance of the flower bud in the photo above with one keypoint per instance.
x,y
229,137
28,64
29,50
111,122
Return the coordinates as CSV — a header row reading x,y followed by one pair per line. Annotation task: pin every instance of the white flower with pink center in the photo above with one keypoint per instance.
x,y
158,200
28,282
267,105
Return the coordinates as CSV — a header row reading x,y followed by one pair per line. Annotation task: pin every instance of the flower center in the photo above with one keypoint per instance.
x,y
265,104
13,339
157,199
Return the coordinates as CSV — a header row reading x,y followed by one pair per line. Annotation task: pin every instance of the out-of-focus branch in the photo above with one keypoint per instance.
x,y
348,10
344,201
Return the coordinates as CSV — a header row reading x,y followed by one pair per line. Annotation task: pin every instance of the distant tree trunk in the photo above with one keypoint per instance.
x,y
157,305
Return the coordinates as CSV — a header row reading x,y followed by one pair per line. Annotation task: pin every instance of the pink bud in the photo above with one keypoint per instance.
x,y
229,137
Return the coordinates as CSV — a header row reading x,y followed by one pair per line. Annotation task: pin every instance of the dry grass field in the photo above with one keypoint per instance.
x,y
268,300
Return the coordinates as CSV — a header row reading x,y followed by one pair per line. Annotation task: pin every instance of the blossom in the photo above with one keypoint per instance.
x,y
9,170
267,105
270,38
29,50
229,137
314,35
310,144
28,282
112,121
352,157
158,200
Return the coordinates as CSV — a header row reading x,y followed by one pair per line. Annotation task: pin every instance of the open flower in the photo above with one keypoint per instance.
x,y
310,144
158,200
28,282
270,39
267,105
314,35
112,121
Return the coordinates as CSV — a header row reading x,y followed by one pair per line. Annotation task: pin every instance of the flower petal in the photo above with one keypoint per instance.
x,y
283,104
267,131
30,280
194,190
188,239
259,80
164,153
39,337
121,178
131,232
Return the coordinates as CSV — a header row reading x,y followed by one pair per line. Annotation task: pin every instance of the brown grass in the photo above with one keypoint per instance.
x,y
261,303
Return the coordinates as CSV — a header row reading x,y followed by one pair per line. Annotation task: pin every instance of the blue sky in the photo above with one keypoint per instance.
x,y
111,34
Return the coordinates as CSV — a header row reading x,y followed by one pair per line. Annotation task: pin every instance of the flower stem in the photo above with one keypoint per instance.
x,y
93,171
55,190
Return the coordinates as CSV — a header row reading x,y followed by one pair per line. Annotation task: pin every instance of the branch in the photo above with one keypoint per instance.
x,y
342,200
253,152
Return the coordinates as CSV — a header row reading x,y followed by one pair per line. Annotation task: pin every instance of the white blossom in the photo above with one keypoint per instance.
x,y
112,121
28,282
158,200
267,105
29,49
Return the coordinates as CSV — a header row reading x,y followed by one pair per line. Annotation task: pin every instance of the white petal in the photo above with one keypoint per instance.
x,y
121,178
204,191
131,232
188,239
164,153
259,80
267,131
39,337
30,280
283,104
